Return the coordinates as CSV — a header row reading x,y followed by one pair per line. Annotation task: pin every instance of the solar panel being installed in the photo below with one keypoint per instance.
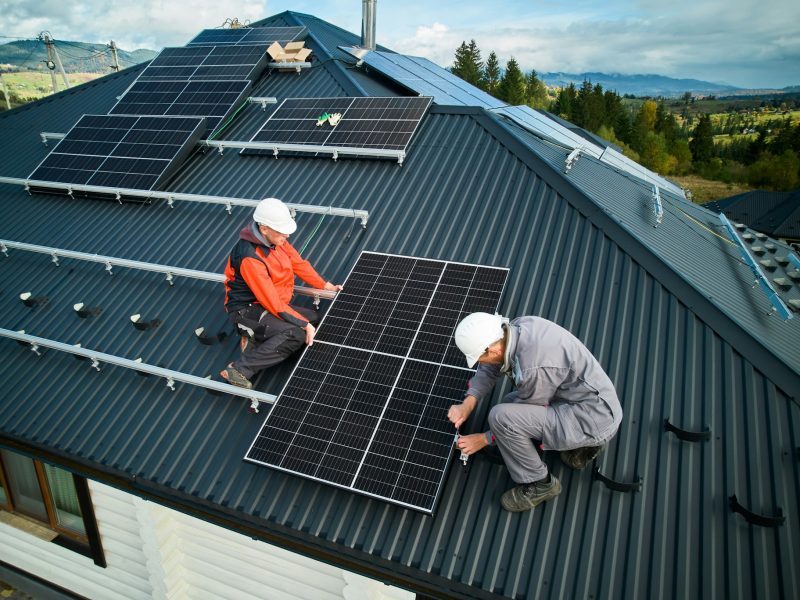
x,y
210,99
366,407
244,36
120,151
207,62
370,123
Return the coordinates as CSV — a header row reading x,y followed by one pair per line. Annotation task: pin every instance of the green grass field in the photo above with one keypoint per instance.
x,y
32,85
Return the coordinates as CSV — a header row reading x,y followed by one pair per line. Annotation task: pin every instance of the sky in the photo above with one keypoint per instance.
x,y
746,43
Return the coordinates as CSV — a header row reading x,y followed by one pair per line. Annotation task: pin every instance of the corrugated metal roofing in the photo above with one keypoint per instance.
x,y
775,213
470,190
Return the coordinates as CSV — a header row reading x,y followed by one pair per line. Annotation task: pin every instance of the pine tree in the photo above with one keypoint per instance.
x,y
512,87
467,64
702,142
566,102
491,74
535,91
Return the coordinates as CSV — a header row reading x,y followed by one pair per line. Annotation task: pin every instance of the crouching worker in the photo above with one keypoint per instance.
x,y
562,398
259,284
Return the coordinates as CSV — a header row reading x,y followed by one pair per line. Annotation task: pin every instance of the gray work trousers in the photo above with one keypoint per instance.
x,y
514,425
273,340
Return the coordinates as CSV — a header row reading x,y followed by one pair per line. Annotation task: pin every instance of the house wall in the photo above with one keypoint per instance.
x,y
156,552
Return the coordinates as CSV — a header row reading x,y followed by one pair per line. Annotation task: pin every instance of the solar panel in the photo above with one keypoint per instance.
x,y
429,79
207,62
120,151
366,406
370,123
210,99
248,36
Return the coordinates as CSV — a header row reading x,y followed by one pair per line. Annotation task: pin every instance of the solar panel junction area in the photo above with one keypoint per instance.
x,y
370,124
120,151
243,36
366,406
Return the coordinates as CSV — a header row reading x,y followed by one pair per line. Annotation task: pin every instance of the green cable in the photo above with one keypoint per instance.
x,y
226,123
313,233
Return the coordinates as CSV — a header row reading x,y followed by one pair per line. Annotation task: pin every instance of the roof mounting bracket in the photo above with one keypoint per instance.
x,y
54,258
229,208
335,155
69,192
4,249
221,149
109,268
44,137
170,202
658,210
263,101
118,197
170,279
617,486
777,304
171,383
96,364
686,435
572,159
28,188
755,518
35,349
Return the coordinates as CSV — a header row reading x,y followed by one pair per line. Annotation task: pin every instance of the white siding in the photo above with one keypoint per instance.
x,y
156,552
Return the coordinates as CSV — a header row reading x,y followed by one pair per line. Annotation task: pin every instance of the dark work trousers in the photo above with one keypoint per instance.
x,y
273,340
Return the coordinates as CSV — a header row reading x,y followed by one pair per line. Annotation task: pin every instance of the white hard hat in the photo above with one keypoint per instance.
x,y
476,332
275,214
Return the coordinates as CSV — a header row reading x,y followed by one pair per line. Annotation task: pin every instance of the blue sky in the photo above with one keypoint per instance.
x,y
748,43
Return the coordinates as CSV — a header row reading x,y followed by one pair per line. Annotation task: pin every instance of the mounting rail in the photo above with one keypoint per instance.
x,y
777,304
170,272
171,376
172,197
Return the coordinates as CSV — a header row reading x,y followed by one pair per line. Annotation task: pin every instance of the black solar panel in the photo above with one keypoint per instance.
x,y
207,62
372,123
120,151
263,36
210,99
360,410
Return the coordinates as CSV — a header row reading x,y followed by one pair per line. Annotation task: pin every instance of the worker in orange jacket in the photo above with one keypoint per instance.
x,y
259,284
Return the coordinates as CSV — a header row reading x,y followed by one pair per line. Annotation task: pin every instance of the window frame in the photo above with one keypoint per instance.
x,y
88,544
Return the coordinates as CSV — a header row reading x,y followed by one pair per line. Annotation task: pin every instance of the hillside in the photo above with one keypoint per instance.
x,y
77,57
640,85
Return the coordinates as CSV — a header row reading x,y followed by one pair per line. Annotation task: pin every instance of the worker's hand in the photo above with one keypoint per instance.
x,y
310,331
332,287
458,413
470,444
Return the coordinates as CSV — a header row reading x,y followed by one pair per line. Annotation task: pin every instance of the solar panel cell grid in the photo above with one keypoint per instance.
x,y
359,412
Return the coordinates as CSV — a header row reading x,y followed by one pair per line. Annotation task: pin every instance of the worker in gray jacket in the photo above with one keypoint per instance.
x,y
562,398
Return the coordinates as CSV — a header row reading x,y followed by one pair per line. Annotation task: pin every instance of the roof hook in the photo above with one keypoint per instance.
x,y
572,159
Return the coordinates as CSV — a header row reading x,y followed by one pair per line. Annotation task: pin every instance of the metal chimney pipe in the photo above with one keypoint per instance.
x,y
368,24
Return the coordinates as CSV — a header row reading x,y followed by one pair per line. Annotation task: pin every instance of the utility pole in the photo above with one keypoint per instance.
x,y
53,60
5,91
114,57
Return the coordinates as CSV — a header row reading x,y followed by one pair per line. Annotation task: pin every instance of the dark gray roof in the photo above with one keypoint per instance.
x,y
776,214
668,311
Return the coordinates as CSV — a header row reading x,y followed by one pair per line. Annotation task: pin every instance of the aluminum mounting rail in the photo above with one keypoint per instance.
x,y
172,197
99,358
170,272
334,151
777,304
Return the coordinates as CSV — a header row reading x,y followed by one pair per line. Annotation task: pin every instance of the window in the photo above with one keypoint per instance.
x,y
54,497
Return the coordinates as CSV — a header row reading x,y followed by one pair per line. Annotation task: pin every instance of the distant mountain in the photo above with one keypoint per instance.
x,y
77,57
639,85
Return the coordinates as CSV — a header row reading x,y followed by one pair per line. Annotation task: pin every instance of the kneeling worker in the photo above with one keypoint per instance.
x,y
562,398
259,284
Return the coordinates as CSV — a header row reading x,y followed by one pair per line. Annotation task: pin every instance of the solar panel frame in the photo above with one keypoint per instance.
x,y
412,397
246,36
372,123
120,151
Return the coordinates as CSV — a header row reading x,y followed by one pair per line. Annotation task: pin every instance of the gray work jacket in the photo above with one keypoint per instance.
x,y
551,367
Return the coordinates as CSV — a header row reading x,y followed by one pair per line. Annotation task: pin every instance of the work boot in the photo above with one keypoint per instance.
x,y
529,495
580,457
234,377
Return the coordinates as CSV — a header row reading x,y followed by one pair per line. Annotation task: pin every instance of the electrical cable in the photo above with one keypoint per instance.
x,y
313,233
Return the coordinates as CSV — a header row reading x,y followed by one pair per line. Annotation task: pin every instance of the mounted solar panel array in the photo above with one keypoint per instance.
x,y
427,79
366,407
210,99
366,124
207,62
262,36
120,151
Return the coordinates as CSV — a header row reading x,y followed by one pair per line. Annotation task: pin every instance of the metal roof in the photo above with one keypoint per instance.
x,y
582,251
774,213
